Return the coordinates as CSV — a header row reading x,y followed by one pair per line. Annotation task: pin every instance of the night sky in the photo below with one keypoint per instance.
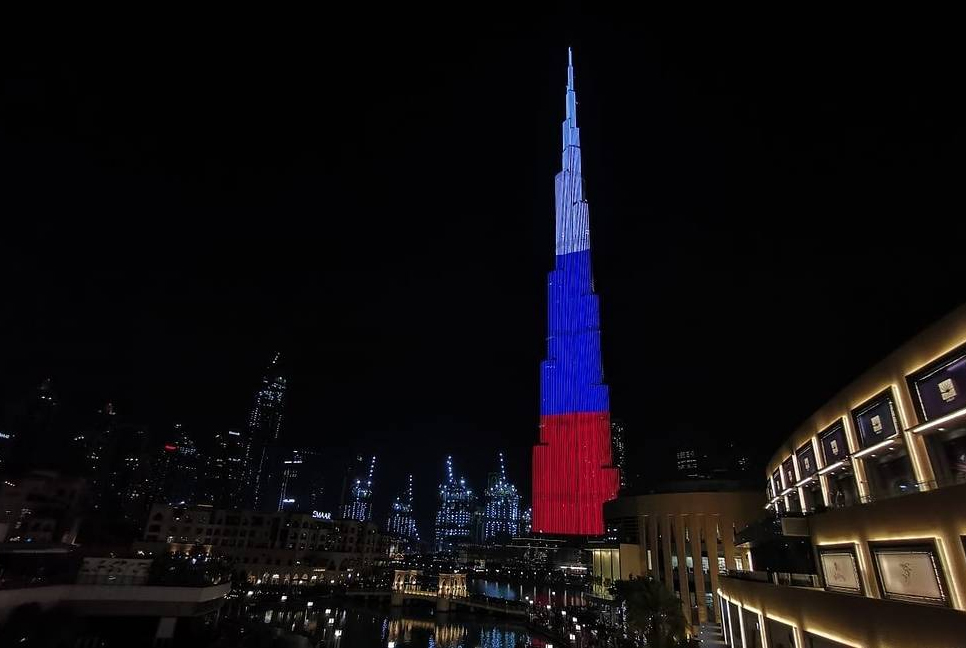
x,y
772,211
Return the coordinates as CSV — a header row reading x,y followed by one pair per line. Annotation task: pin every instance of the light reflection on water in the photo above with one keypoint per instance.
x,y
541,595
357,627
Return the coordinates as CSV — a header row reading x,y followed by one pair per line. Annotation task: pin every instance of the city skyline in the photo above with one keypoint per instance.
x,y
200,241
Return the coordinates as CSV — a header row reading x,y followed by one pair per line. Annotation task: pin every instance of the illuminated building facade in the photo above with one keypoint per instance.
x,y
401,525
275,548
572,470
501,511
264,426
454,518
683,538
618,442
225,469
358,506
879,473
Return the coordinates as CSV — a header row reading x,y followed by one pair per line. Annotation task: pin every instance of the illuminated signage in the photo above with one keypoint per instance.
x,y
938,388
909,573
170,448
319,515
840,571
834,446
806,460
876,420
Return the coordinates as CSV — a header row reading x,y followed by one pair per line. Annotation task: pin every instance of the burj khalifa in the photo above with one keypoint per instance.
x,y
572,471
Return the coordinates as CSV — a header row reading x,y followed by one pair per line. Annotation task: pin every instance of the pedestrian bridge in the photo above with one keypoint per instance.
x,y
450,595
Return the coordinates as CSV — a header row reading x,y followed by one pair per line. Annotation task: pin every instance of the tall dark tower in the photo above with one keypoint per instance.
x,y
572,470
264,426
401,525
359,504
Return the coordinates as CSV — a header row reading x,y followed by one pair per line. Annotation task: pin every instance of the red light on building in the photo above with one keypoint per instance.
x,y
170,448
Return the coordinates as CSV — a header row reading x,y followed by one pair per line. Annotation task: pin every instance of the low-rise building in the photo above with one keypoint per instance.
x,y
683,538
270,548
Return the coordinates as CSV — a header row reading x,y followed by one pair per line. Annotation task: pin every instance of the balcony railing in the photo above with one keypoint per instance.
x,y
788,579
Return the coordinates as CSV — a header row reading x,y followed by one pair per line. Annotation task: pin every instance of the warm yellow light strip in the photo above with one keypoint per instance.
x,y
833,637
775,617
951,575
939,421
831,467
878,446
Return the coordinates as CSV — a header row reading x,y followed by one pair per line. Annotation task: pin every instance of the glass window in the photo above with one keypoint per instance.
x,y
947,453
806,460
889,472
938,388
876,420
834,445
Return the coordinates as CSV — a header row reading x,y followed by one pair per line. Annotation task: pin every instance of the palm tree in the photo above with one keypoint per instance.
x,y
653,611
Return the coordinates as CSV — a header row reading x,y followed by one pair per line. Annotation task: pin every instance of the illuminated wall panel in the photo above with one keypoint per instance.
x,y
572,467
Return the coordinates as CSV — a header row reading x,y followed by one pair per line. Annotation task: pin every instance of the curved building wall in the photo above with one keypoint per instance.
x,y
877,477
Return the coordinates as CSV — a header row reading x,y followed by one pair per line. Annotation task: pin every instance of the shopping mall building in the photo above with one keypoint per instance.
x,y
874,483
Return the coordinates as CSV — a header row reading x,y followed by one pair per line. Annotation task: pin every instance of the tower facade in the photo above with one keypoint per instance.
x,y
501,512
401,525
264,426
358,506
572,469
454,518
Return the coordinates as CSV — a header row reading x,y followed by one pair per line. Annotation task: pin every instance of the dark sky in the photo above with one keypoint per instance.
x,y
772,209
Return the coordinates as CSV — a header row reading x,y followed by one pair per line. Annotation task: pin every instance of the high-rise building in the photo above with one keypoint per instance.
x,y
401,525
301,486
572,470
454,518
176,470
501,511
358,506
264,426
225,469
618,445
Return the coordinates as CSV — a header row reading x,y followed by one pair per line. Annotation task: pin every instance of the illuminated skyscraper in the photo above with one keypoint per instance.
x,y
501,512
359,504
618,443
401,525
264,426
454,518
572,471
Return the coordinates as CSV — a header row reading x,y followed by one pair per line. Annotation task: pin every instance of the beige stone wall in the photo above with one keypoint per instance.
x,y
849,620
663,516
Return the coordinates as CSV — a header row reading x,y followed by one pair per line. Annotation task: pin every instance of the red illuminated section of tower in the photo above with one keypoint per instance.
x,y
572,471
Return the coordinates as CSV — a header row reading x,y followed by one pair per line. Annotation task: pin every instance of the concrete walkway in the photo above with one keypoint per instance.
x,y
710,635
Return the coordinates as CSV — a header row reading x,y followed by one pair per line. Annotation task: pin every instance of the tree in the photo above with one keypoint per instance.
x,y
653,611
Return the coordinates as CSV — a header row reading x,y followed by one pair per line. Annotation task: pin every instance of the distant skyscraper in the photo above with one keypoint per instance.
x,y
224,476
501,512
401,525
301,487
454,518
177,470
358,506
572,470
618,442
264,426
